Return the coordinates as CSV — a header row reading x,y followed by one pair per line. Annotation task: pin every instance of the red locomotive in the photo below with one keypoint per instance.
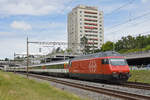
x,y
110,66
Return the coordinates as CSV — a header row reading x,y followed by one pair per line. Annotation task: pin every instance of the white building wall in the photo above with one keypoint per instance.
x,y
81,22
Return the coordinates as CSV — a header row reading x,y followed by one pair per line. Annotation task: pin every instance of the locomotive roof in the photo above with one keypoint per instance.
x,y
100,54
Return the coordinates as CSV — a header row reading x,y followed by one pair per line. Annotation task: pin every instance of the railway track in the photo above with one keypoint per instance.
x,y
137,85
101,90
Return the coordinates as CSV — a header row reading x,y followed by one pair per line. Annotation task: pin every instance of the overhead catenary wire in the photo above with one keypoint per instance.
x,y
122,6
145,32
142,33
129,25
127,21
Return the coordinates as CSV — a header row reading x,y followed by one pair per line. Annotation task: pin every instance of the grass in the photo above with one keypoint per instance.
x,y
140,76
15,87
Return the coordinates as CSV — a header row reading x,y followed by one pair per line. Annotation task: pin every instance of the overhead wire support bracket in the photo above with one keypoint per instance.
x,y
49,43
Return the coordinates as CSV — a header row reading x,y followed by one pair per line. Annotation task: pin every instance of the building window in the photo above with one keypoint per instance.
x,y
80,11
80,19
80,31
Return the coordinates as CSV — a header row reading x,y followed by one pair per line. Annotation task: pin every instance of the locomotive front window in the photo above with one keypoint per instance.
x,y
118,61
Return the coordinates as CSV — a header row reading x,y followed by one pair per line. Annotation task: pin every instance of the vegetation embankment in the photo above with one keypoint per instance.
x,y
129,44
14,87
140,76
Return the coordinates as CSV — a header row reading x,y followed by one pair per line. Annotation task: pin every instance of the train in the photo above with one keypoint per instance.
x,y
108,66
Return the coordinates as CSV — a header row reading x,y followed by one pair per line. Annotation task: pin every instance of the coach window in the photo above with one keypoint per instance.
x,y
105,61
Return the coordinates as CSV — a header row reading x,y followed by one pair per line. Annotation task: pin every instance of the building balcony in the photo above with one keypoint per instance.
x,y
92,20
88,27
90,16
94,24
95,39
92,43
89,12
89,31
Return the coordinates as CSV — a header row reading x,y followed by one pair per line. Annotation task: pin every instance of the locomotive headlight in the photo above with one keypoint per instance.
x,y
114,72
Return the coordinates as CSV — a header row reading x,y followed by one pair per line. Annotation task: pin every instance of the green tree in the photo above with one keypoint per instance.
x,y
140,42
85,46
108,46
68,50
97,50
132,44
6,59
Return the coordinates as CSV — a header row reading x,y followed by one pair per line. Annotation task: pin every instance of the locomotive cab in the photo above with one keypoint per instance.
x,y
118,67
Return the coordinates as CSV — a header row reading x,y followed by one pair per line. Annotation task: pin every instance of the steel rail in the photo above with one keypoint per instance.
x,y
101,90
136,85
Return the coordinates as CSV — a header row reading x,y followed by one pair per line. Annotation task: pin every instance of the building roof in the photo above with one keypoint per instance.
x,y
87,7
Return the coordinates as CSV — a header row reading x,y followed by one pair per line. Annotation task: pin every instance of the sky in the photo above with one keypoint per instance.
x,y
46,20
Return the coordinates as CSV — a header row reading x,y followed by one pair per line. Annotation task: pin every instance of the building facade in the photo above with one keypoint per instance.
x,y
85,21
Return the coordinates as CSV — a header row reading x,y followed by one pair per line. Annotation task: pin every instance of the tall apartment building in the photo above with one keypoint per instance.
x,y
85,21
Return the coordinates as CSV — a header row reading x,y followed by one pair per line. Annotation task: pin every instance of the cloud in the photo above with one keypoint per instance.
x,y
31,7
20,25
145,1
4,33
8,48
50,26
